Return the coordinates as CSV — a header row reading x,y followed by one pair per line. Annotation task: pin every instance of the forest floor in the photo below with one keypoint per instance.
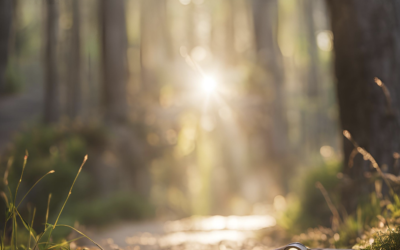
x,y
195,233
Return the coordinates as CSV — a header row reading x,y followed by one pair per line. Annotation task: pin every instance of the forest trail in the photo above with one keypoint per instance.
x,y
18,110
212,232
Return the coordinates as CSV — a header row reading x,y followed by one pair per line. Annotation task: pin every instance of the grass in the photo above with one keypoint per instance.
x,y
42,240
374,226
388,241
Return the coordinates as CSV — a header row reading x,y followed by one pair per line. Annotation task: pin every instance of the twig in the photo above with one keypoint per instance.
x,y
335,223
386,93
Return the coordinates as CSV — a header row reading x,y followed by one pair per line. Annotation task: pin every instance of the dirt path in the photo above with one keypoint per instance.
x,y
215,232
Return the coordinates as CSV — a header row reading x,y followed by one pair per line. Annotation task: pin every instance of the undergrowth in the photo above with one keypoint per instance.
x,y
374,226
61,147
39,241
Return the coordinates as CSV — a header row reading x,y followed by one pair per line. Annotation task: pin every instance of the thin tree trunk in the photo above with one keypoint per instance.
x,y
313,80
51,102
114,42
265,22
6,12
74,85
367,45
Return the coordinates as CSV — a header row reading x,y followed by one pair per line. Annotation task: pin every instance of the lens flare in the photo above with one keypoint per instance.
x,y
209,84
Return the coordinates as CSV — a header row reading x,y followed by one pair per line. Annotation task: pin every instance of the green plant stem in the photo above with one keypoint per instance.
x,y
47,212
22,173
30,228
70,191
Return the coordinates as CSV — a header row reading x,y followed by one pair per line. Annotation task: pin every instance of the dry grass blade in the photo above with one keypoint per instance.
x,y
64,243
337,219
386,93
50,172
22,173
30,229
368,157
47,211
9,163
5,198
27,226
70,191
76,230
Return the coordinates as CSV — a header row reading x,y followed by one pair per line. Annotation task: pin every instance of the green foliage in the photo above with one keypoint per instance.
x,y
13,79
306,205
120,206
372,210
55,148
388,239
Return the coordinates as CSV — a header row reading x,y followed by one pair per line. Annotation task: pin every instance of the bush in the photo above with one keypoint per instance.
x,y
306,204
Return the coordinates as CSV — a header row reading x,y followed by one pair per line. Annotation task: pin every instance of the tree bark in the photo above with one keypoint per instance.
x,y
367,45
115,71
6,12
51,96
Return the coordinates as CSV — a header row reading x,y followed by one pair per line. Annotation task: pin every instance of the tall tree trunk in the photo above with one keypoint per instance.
x,y
51,96
367,45
312,128
115,72
265,22
6,12
74,85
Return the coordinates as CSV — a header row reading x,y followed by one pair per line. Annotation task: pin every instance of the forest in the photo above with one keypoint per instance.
x,y
199,124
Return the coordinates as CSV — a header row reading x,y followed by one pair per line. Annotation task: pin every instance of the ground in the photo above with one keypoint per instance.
x,y
214,232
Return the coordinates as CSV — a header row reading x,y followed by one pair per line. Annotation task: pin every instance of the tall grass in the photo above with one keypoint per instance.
x,y
42,240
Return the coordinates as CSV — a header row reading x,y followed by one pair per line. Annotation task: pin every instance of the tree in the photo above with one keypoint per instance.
x,y
155,45
6,12
114,61
367,45
313,89
265,22
74,85
51,96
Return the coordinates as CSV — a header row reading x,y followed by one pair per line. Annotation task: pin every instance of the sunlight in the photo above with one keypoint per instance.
x,y
210,223
325,40
209,84
185,2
